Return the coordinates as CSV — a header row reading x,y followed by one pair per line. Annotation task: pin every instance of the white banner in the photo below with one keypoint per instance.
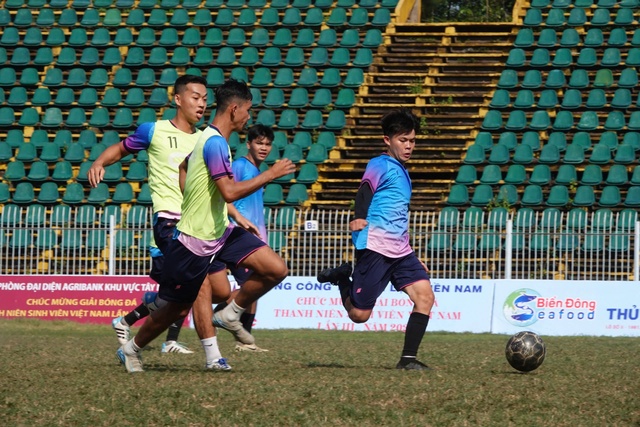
x,y
567,307
302,302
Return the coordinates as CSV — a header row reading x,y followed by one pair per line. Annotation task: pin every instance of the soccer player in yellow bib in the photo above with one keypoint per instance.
x,y
206,238
167,142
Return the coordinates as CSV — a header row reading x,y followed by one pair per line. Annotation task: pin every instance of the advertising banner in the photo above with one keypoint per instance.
x,y
301,302
85,299
567,308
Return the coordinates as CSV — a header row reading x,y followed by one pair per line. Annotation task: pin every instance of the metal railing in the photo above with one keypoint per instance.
x,y
548,245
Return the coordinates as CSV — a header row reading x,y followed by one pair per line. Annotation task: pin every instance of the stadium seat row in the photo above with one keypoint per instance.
x,y
180,17
571,99
533,196
562,4
564,120
595,37
543,175
578,17
578,79
563,58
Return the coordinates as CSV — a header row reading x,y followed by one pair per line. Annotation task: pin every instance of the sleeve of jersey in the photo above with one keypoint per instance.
x,y
373,174
217,158
140,139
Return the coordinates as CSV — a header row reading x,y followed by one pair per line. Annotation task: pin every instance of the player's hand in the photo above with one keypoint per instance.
x,y
249,226
358,224
282,167
424,266
95,174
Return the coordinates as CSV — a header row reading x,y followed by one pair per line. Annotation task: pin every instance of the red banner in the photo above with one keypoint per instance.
x,y
86,299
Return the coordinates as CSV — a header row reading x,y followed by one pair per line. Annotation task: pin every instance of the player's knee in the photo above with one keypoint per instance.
x,y
278,271
359,316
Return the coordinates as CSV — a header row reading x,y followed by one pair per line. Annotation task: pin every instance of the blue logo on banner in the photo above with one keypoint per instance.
x,y
519,307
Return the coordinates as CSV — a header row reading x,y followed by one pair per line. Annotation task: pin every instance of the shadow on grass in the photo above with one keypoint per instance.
x,y
325,365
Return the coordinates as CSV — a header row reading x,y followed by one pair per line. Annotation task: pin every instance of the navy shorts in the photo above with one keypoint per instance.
x,y
374,271
157,263
163,229
241,274
184,271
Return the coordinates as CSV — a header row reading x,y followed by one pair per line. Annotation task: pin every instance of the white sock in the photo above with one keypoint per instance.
x,y
234,311
211,350
131,347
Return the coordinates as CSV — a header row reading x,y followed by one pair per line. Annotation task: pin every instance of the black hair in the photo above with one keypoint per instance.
x,y
181,83
230,90
400,121
260,131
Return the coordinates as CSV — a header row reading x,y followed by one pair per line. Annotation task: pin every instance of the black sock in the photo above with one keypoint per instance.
x,y
136,314
247,320
416,327
344,288
219,307
174,330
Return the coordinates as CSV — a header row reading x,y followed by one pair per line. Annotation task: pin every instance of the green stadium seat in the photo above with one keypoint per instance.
x,y
594,38
601,17
319,57
558,196
541,175
508,139
617,175
569,38
610,196
584,196
15,171
354,78
539,121
625,154
517,120
577,17
555,18
587,57
540,58
88,97
492,120
62,172
633,57
336,120
523,155
567,175
317,154
592,175
499,155
633,197
123,193
98,78
482,195
615,121
98,195
555,79
137,216
50,153
266,117
611,57
273,194
563,58
491,174
112,56
532,79
525,38
467,175
180,18
516,58
516,174
508,79
6,152
475,155
588,121
293,152
29,117
65,97
297,194
23,193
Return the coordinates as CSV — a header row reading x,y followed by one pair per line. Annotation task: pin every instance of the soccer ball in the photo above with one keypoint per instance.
x,y
525,351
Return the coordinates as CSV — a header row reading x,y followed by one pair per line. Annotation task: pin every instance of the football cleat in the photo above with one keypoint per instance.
x,y
122,331
335,275
132,363
251,348
175,347
218,365
233,326
412,365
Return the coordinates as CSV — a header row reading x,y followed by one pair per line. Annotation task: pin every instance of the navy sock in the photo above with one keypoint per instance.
x,y
247,320
136,314
174,330
416,327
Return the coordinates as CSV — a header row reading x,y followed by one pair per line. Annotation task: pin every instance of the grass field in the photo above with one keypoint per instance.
x,y
66,374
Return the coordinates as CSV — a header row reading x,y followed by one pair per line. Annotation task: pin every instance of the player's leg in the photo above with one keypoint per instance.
x,y
214,289
242,274
122,324
246,250
370,278
411,277
183,275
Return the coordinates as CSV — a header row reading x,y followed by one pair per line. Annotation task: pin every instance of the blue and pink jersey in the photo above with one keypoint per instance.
x,y
251,207
387,231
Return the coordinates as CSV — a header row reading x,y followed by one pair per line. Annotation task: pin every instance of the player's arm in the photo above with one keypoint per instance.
x,y
182,173
243,222
232,190
108,157
362,203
